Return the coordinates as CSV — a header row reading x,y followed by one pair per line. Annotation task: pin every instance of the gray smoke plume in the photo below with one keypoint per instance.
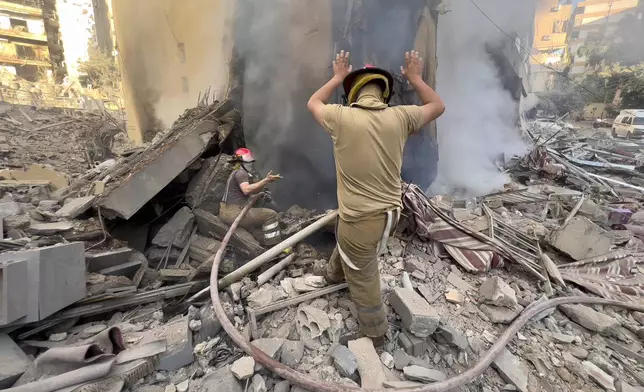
x,y
480,122
286,48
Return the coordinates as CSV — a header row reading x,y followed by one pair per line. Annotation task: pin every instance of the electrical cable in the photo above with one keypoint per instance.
x,y
534,58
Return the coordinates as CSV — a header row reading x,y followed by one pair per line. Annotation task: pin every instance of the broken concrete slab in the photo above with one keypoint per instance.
x,y
108,259
150,176
495,291
13,291
512,370
500,315
75,207
202,248
581,239
49,228
243,368
55,278
452,336
180,349
369,367
602,378
270,346
412,345
423,374
177,231
420,318
454,297
13,362
206,189
292,352
591,319
344,361
401,359
128,269
211,226
220,380
459,283
9,208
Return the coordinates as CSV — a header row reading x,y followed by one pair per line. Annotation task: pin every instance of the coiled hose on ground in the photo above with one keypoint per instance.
x,y
450,384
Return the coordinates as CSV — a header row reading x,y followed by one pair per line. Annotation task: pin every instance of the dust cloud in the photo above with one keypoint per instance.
x,y
480,123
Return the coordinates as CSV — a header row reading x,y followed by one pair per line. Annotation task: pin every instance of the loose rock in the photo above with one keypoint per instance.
x,y
495,291
591,319
419,373
243,368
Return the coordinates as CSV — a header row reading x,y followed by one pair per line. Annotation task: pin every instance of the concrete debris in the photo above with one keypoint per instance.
x,y
455,297
369,366
591,319
312,322
387,360
344,361
581,239
50,228
206,189
402,384
459,283
495,291
75,207
512,370
501,315
411,344
177,231
258,384
417,315
270,346
13,362
422,374
221,379
292,353
599,376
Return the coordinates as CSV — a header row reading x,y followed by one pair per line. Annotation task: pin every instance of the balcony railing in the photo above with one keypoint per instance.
x,y
14,33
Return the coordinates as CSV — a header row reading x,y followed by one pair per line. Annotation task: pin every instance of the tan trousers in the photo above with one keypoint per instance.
x,y
359,241
255,221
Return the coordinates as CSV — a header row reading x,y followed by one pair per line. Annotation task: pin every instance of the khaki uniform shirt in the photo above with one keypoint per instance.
x,y
368,142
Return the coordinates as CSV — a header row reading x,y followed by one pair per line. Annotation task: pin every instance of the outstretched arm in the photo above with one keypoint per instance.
x,y
433,105
341,69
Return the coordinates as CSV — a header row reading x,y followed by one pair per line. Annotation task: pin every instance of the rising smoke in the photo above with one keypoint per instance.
x,y
480,122
286,47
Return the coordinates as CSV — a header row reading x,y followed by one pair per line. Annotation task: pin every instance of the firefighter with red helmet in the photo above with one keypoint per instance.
x,y
368,140
243,182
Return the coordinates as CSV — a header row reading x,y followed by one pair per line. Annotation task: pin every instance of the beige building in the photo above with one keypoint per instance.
x,y
550,47
24,46
595,18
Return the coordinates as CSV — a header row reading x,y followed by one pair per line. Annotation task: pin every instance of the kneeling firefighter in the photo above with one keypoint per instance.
x,y
262,223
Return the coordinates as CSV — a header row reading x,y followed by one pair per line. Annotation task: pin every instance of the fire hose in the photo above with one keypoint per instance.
x,y
449,384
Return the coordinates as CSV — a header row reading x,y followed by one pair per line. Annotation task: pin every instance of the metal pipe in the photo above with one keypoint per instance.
x,y
269,273
270,254
450,384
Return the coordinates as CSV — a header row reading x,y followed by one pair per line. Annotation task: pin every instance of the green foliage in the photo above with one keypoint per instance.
x,y
100,71
616,61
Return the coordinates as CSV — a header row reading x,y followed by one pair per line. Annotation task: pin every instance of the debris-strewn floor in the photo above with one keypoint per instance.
x,y
112,258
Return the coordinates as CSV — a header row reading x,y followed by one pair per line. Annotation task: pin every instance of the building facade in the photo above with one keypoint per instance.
x,y
550,53
24,44
595,19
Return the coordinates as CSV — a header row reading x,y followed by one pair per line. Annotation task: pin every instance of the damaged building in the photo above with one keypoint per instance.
x,y
116,272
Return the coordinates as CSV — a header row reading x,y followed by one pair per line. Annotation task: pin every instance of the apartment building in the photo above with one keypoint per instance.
x,y
24,46
550,48
594,19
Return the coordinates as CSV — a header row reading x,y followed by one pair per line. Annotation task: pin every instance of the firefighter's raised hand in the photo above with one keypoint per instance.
x,y
413,68
341,66
270,177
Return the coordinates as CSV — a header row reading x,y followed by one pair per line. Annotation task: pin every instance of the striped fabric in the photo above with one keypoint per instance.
x,y
617,275
475,255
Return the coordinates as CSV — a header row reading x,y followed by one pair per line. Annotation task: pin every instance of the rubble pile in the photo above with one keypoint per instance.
x,y
67,141
117,260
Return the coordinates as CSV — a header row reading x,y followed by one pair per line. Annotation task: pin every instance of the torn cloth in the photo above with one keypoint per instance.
x,y
618,275
471,251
